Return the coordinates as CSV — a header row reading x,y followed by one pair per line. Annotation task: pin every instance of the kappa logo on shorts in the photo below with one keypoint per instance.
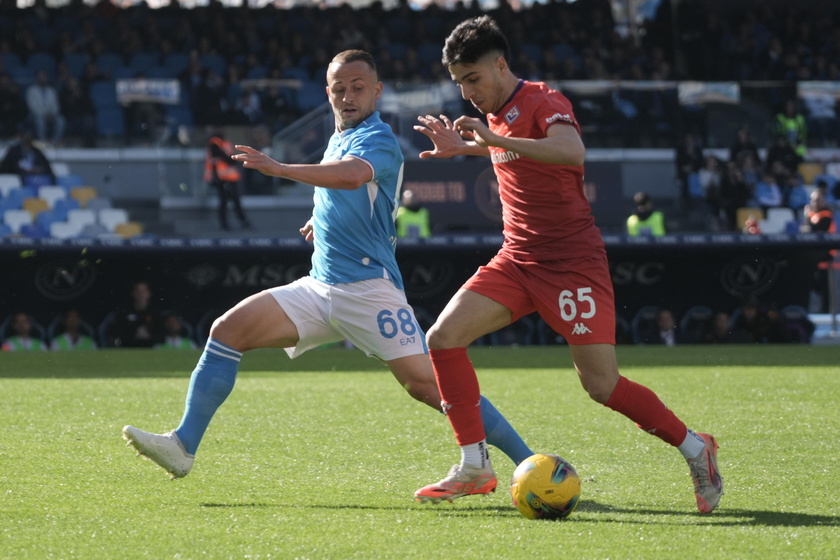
x,y
580,328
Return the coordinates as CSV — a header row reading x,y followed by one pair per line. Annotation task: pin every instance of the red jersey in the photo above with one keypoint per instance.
x,y
545,213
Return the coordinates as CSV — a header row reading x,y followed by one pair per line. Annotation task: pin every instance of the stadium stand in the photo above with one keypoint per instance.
x,y
83,194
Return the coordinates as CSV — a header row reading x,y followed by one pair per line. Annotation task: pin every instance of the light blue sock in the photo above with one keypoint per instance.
x,y
500,433
210,384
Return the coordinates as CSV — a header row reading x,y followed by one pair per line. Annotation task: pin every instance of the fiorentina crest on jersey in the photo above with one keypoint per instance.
x,y
512,115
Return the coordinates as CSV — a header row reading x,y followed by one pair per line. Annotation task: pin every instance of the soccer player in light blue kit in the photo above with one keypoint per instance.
x,y
354,290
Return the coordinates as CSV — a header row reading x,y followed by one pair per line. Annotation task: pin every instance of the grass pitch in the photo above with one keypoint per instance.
x,y
319,457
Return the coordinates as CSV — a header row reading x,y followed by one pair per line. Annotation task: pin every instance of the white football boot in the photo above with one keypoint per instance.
x,y
164,449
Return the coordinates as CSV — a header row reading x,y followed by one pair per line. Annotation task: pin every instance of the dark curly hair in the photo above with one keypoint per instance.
x,y
472,39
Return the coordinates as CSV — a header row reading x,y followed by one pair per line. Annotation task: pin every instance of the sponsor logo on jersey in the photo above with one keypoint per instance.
x,y
503,157
560,117
580,328
512,115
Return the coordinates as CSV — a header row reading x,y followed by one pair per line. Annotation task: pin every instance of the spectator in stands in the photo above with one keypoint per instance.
x,y
79,110
222,173
710,177
767,192
139,324
790,123
821,117
734,194
820,218
756,324
743,145
12,107
412,218
689,160
750,169
209,104
45,109
175,338
144,120
796,326
645,221
718,332
22,337
23,158
665,331
70,335
248,108
795,194
781,153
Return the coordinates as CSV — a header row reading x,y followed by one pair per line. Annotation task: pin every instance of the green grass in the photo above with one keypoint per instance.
x,y
318,458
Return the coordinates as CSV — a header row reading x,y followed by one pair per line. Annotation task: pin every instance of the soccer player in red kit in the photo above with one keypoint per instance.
x,y
552,261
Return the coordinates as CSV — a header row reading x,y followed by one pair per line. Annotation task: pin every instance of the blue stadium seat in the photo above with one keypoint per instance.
x,y
64,205
176,62
13,200
69,181
6,204
104,94
161,73
295,73
531,50
428,53
643,321
47,218
34,231
76,63
562,51
45,36
143,62
124,73
108,62
42,61
310,95
178,115
110,122
10,61
5,230
22,75
35,181
216,63
696,322
257,73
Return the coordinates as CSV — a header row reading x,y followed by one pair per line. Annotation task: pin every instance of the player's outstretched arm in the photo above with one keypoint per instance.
x,y
447,141
349,173
561,146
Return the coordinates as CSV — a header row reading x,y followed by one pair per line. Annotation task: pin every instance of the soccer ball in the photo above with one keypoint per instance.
x,y
544,486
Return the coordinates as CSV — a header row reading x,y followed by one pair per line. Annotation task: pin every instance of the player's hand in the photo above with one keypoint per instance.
x,y
307,230
448,143
255,159
471,128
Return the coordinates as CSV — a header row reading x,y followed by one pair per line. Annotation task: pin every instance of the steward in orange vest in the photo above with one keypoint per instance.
x,y
221,172
217,163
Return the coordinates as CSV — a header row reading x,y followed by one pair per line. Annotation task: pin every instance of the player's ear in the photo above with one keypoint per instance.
x,y
501,64
378,90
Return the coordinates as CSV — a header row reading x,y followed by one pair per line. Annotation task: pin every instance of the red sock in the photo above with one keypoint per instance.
x,y
642,406
459,393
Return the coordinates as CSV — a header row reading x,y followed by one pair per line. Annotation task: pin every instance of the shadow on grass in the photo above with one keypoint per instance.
x,y
722,516
605,514
173,363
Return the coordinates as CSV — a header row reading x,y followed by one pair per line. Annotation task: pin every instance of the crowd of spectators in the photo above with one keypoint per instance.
x,y
266,66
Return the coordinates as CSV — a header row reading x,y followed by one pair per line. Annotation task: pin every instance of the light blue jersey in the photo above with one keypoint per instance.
x,y
355,235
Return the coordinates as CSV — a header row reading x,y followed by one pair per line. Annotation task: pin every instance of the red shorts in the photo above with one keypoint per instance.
x,y
575,297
